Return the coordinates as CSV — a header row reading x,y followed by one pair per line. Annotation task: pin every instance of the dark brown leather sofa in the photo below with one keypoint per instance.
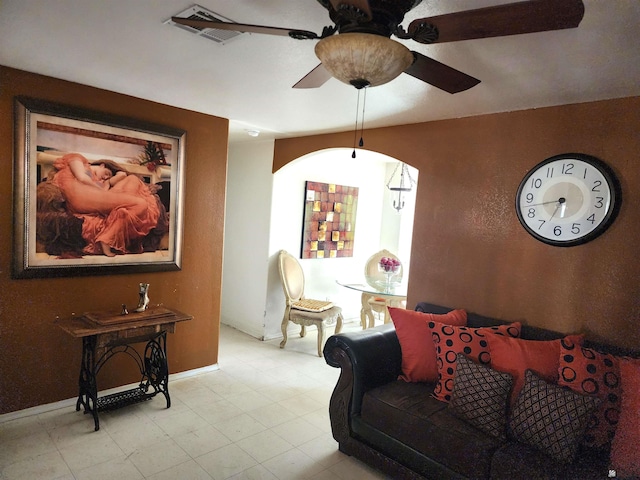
x,y
399,429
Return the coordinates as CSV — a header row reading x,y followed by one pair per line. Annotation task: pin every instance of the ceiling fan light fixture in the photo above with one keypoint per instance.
x,y
363,59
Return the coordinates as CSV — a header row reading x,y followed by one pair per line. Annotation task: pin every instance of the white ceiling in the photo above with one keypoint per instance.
x,y
124,46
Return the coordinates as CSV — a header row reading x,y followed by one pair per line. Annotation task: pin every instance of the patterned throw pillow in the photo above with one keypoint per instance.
x,y
550,418
472,342
592,373
480,397
414,335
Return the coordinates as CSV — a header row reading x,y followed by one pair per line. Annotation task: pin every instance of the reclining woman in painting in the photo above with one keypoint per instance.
x,y
118,210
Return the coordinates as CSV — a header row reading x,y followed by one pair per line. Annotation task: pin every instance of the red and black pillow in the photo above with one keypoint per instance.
x,y
598,374
516,355
414,336
625,447
471,342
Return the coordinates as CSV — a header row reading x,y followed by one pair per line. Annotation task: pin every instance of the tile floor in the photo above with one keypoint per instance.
x,y
263,415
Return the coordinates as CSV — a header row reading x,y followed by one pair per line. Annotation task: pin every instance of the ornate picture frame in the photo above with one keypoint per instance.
x,y
126,221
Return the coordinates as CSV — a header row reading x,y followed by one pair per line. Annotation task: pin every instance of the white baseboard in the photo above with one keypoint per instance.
x,y
71,402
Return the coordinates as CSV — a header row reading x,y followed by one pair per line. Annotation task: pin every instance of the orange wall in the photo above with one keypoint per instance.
x,y
470,251
39,363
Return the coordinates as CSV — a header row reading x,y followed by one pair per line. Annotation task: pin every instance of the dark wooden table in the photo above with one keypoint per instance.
x,y
105,334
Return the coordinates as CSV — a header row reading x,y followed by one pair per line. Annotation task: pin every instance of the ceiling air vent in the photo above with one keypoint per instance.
x,y
197,12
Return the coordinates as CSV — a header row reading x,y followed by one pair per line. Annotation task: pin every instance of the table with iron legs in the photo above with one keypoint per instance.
x,y
105,335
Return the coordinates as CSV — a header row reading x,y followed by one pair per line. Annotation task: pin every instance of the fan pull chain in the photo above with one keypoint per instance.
x,y
364,103
355,131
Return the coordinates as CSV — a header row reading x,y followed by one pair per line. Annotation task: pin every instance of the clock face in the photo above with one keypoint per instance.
x,y
568,199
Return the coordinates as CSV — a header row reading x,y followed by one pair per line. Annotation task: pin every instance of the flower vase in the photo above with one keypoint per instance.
x,y
389,275
390,267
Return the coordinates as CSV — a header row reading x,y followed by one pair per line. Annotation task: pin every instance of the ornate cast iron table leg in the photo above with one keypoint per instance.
x,y
156,367
87,387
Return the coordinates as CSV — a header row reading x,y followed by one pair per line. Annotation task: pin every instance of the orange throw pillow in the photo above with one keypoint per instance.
x,y
625,448
414,335
471,342
516,355
597,374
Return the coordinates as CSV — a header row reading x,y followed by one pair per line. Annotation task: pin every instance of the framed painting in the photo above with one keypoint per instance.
x,y
94,194
329,223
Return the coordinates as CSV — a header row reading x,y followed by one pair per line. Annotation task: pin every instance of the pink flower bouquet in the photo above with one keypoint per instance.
x,y
389,265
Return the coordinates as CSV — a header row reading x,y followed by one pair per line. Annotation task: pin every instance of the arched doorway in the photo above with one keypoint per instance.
x,y
264,213
378,225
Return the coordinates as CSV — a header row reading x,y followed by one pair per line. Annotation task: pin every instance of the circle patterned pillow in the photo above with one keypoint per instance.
x,y
471,342
597,374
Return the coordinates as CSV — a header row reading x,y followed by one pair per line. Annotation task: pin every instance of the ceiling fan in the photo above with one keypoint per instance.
x,y
357,48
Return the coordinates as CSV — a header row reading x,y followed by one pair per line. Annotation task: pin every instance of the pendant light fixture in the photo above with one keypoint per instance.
x,y
401,183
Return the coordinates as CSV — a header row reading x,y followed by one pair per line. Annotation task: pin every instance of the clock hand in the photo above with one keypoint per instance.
x,y
562,205
560,200
543,203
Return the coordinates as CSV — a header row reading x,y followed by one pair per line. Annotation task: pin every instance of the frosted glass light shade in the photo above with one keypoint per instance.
x,y
354,57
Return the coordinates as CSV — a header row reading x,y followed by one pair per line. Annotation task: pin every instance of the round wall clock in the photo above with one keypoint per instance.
x,y
568,199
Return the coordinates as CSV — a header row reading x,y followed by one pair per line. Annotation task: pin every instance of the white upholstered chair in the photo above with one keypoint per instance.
x,y
300,310
378,303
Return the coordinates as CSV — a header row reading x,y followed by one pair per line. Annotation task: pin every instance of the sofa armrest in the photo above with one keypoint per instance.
x,y
367,359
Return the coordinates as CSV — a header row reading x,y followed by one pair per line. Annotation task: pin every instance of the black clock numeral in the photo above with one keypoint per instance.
x,y
536,183
567,168
599,202
592,218
529,197
542,222
531,213
557,230
596,186
584,175
549,172
575,228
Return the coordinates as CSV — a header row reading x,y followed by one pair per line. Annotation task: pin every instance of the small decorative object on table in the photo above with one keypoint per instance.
x,y
390,267
143,302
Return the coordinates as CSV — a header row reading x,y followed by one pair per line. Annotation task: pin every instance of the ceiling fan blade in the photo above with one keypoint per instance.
x,y
440,75
315,78
502,20
245,27
362,5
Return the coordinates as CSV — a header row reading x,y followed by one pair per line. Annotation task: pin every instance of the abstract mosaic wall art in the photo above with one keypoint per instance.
x,y
329,222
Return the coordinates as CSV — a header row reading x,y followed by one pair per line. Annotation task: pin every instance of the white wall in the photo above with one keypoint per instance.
x,y
246,236
264,215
